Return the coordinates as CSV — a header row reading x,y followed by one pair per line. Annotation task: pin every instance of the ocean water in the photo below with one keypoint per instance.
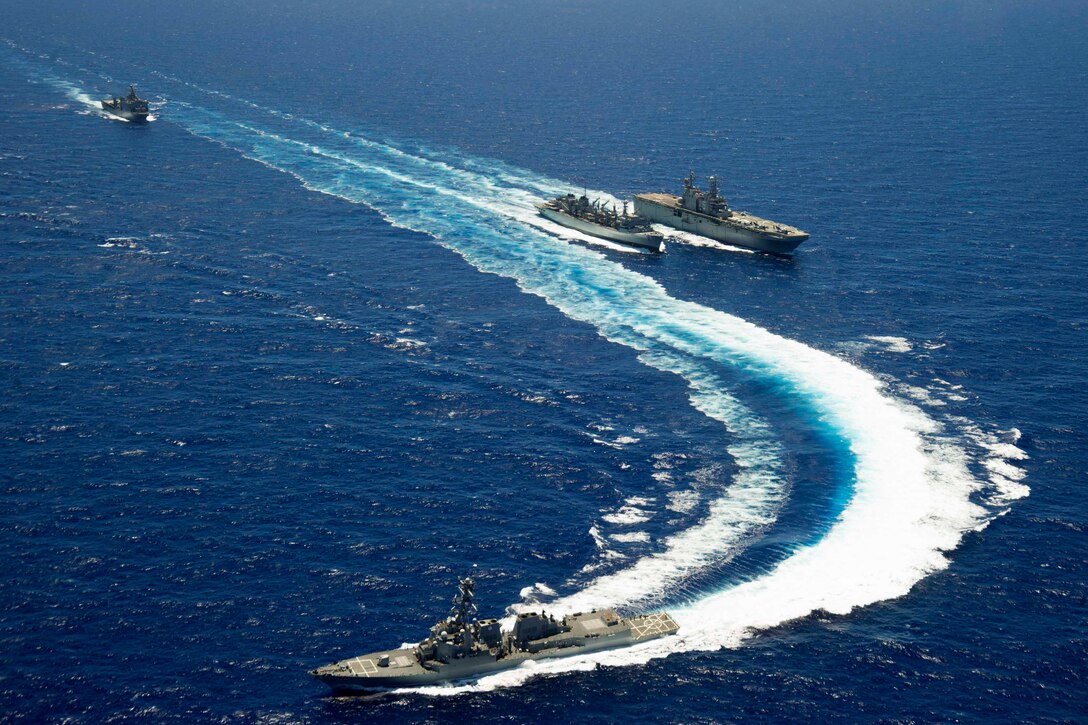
x,y
284,363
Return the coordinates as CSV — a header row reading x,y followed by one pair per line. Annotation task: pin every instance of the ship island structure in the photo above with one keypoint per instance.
x,y
462,647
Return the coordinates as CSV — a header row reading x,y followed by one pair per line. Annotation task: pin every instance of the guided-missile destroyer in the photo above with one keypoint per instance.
x,y
595,218
707,214
463,647
130,107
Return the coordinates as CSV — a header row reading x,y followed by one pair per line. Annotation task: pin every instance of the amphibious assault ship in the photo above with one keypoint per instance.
x,y
464,647
707,214
593,217
130,107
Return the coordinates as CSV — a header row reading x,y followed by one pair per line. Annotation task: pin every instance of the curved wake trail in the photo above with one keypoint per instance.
x,y
913,498
914,495
485,224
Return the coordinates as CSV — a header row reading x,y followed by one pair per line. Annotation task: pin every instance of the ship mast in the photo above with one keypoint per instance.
x,y
464,606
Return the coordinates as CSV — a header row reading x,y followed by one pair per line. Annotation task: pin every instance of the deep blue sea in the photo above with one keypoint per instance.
x,y
283,364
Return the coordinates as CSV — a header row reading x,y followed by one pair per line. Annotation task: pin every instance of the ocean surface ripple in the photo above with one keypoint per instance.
x,y
810,476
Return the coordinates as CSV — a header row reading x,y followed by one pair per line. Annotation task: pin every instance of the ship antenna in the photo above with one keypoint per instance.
x,y
464,606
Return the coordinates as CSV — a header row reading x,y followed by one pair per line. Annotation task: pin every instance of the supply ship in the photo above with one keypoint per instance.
x,y
464,647
130,107
598,220
707,214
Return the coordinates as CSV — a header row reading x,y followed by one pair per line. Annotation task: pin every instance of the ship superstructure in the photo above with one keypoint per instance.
x,y
463,647
707,214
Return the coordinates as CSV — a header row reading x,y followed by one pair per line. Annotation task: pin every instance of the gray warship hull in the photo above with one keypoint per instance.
x,y
129,107
739,229
591,632
646,240
134,116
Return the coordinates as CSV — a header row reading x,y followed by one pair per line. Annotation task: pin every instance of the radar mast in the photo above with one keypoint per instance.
x,y
464,605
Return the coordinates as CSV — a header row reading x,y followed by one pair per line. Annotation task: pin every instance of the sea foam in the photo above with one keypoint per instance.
x,y
918,485
913,496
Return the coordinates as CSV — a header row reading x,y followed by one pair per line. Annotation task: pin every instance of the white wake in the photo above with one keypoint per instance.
x,y
919,484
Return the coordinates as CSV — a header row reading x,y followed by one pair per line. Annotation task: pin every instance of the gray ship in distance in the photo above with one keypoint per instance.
x,y
129,107
707,214
462,647
597,219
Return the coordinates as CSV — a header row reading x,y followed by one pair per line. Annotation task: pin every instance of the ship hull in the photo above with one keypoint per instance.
x,y
402,668
125,114
465,669
665,209
646,240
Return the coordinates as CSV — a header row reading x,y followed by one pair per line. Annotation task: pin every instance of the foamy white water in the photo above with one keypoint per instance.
x,y
914,493
919,483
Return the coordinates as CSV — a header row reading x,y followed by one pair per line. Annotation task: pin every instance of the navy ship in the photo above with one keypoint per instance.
x,y
707,214
130,107
463,647
598,220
